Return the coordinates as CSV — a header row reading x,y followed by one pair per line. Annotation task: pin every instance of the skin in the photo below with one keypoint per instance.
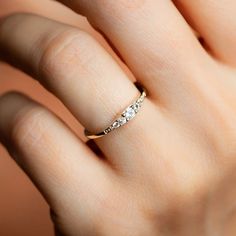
x,y
171,170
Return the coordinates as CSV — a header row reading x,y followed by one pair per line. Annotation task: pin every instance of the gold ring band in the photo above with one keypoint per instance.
x,y
128,114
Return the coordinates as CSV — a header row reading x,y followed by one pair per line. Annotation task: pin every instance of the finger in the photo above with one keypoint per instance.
x,y
47,8
56,11
51,9
79,71
152,37
59,164
215,22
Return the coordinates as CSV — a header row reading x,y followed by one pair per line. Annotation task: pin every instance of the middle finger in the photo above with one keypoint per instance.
x,y
152,37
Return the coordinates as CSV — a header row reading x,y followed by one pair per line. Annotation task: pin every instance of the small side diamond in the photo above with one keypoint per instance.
x,y
141,99
108,130
136,106
129,113
116,124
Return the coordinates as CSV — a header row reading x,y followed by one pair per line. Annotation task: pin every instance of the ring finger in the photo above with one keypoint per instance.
x,y
72,65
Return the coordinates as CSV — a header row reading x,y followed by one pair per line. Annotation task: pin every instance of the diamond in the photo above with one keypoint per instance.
x,y
136,107
116,124
129,113
122,120
141,99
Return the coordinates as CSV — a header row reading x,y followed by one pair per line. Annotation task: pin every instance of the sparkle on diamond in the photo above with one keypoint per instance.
x,y
129,113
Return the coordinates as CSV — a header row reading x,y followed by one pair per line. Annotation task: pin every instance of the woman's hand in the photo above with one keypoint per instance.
x,y
165,171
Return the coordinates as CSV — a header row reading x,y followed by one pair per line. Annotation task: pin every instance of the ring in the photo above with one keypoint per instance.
x,y
128,114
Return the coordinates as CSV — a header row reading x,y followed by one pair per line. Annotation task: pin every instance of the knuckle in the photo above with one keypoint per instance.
x,y
69,49
117,6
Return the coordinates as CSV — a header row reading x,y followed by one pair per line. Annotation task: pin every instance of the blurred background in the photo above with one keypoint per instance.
x,y
23,211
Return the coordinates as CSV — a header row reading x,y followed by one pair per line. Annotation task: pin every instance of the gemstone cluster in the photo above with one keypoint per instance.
x,y
127,115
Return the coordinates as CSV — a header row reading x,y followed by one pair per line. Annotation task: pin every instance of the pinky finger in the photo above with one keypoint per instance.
x,y
64,168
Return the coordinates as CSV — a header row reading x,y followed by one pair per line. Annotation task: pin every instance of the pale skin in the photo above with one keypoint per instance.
x,y
169,171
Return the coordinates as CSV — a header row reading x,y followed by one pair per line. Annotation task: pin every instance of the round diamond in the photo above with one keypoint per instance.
x,y
122,120
116,124
129,113
136,107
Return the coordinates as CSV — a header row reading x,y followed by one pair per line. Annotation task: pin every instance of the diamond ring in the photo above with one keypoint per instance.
x,y
128,114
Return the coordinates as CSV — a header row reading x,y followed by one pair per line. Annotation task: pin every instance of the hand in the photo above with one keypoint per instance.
x,y
164,172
